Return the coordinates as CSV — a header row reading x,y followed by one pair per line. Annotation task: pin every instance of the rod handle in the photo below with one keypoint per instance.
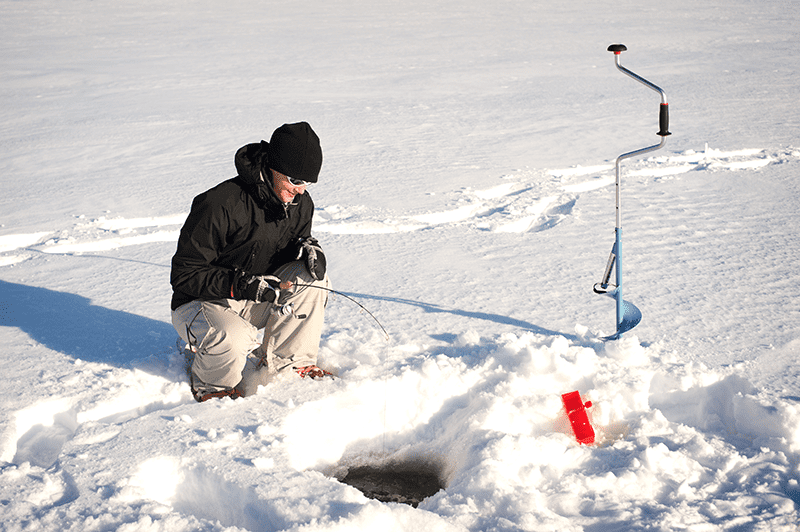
x,y
663,120
617,48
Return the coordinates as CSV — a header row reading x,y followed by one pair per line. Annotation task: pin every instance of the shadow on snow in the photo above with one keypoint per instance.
x,y
72,325
496,318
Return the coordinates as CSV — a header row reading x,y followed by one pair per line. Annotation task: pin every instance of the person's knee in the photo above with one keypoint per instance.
x,y
222,355
296,272
233,339
212,326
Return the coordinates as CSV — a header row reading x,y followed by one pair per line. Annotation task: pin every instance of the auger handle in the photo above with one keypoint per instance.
x,y
663,114
663,120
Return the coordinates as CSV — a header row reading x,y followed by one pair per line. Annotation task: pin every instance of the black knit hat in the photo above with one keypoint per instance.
x,y
294,151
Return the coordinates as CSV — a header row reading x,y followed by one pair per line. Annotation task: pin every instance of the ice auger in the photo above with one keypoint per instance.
x,y
628,315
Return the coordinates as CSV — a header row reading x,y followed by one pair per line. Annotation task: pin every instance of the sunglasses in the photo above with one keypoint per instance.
x,y
298,182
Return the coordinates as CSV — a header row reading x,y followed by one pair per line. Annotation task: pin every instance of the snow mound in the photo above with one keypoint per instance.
x,y
676,443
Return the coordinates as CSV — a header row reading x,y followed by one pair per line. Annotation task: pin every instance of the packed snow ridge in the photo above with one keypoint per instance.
x,y
522,202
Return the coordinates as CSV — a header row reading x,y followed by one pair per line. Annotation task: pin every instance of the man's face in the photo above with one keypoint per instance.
x,y
284,189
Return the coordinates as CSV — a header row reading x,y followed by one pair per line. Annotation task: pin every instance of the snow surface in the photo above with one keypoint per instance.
x,y
467,200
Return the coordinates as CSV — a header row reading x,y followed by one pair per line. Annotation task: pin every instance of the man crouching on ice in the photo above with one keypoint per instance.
x,y
245,257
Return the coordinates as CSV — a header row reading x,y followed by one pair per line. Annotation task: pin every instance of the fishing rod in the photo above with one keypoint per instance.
x,y
287,285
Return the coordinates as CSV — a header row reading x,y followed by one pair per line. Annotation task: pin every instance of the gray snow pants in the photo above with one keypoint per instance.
x,y
225,331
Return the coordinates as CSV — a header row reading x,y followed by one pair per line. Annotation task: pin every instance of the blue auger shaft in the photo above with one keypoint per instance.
x,y
618,294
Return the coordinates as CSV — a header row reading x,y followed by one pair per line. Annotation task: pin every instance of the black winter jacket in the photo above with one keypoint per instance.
x,y
239,224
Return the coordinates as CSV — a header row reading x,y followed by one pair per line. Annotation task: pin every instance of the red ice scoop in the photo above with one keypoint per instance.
x,y
576,412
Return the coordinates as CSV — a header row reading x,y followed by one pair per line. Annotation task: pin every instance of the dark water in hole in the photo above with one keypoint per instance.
x,y
392,485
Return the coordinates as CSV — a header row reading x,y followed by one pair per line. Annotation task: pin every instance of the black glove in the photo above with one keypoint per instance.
x,y
258,288
315,258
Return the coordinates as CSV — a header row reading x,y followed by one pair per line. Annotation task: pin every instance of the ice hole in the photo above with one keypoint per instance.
x,y
407,482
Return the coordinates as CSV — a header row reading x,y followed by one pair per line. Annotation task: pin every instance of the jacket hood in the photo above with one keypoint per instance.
x,y
250,160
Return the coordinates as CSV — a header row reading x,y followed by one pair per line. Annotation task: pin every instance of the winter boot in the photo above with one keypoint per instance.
x,y
313,371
